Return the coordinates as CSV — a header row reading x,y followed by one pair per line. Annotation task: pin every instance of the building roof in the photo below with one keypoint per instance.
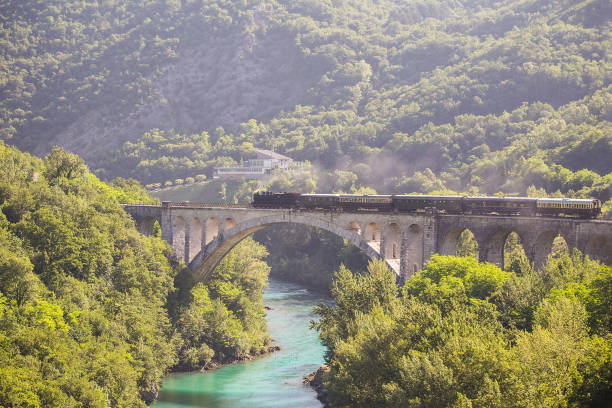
x,y
269,154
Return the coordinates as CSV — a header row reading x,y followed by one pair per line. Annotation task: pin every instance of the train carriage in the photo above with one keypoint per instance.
x,y
319,201
499,205
569,207
417,203
360,202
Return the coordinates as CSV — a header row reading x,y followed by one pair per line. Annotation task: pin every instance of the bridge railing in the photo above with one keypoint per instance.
x,y
189,205
208,205
142,205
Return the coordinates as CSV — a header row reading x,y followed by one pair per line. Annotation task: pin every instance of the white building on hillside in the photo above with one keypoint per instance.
x,y
265,163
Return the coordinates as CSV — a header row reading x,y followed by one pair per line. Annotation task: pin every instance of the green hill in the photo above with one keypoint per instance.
x,y
453,86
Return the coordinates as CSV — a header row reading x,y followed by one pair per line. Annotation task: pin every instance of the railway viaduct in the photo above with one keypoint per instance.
x,y
202,234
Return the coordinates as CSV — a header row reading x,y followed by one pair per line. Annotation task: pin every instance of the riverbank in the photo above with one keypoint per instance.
x,y
315,381
153,394
273,380
214,365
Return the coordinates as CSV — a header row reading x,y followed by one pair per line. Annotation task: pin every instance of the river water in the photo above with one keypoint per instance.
x,y
274,381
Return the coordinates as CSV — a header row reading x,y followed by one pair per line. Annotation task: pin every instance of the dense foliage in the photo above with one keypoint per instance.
x,y
464,334
92,313
403,96
225,320
305,255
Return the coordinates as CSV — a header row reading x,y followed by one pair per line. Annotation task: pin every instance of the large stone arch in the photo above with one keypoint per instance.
x,y
210,256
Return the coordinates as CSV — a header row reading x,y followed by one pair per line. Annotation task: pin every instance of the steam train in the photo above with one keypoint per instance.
x,y
555,207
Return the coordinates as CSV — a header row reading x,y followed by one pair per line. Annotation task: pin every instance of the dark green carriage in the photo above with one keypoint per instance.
x,y
319,201
367,202
499,205
422,203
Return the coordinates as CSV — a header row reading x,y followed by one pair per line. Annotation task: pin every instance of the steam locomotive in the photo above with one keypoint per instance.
x,y
556,207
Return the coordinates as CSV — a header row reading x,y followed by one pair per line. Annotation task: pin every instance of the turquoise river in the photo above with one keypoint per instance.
x,y
271,381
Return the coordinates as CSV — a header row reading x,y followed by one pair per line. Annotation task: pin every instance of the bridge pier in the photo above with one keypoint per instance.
x,y
413,251
187,241
165,221
492,249
599,247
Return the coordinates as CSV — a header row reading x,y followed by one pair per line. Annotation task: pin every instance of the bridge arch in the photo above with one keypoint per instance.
x,y
543,246
229,223
493,249
392,241
514,249
372,232
145,225
354,226
211,230
210,256
450,240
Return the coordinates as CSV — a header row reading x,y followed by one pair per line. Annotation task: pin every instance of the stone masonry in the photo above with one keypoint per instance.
x,y
201,234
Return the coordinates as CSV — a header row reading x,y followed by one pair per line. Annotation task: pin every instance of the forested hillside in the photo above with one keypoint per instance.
x,y
92,313
472,96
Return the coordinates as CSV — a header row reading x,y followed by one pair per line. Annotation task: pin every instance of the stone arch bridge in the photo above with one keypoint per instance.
x,y
202,234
